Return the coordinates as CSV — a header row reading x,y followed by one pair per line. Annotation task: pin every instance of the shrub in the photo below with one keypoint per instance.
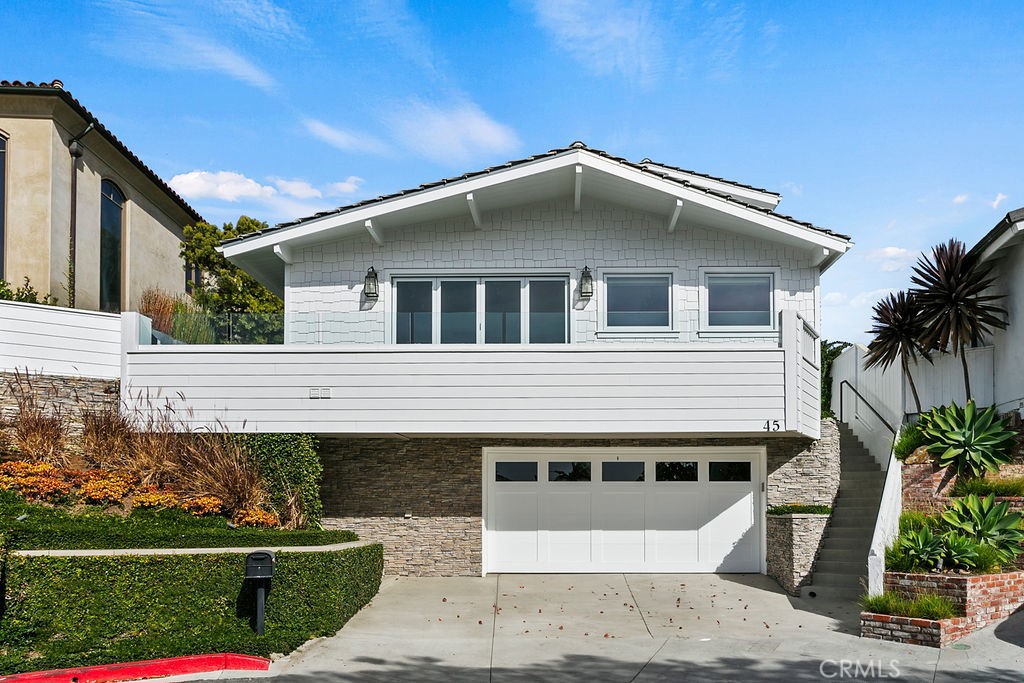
x,y
799,509
214,464
107,488
988,523
154,497
108,437
988,561
922,548
921,607
910,439
25,293
79,611
912,520
291,471
959,551
203,505
54,528
38,434
1009,487
158,306
968,440
35,480
256,518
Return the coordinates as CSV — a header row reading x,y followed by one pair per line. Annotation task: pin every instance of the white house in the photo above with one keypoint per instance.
x,y
569,362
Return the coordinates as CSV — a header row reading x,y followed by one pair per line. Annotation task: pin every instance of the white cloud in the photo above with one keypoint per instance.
x,y
223,185
834,299
960,199
261,17
793,188
869,298
1000,198
608,36
392,21
456,133
296,188
892,259
342,139
347,186
203,54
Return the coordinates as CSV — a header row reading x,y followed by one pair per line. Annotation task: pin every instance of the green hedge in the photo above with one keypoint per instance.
x,y
78,611
289,466
53,528
799,510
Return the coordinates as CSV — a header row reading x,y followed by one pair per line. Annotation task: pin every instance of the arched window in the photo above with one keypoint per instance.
x,y
111,223
3,200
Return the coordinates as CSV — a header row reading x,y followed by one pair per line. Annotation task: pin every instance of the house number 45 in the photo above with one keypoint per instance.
x,y
771,425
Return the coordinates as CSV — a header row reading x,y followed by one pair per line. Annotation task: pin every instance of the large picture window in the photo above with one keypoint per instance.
x,y
111,226
3,200
739,300
481,310
638,301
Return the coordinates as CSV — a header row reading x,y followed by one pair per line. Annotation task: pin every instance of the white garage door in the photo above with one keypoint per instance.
x,y
623,510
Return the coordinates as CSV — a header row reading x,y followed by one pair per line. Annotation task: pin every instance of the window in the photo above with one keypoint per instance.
x,y
740,300
638,301
111,224
481,310
729,471
515,471
622,471
568,471
3,199
685,470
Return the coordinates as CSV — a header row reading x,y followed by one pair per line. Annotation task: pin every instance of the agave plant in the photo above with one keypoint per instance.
x,y
988,523
968,440
898,329
922,548
960,550
951,297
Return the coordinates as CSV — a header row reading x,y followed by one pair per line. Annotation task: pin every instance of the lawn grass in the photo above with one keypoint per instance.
x,y
54,528
1008,486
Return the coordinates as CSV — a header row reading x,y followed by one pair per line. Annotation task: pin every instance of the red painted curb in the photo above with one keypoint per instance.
x,y
152,668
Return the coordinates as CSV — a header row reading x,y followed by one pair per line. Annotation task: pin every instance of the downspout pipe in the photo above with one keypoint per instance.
x,y
75,150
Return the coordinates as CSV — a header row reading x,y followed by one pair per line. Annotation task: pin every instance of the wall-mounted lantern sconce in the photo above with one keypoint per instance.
x,y
586,283
370,288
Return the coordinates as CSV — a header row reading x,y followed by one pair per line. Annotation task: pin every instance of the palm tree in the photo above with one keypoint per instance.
x,y
950,292
897,334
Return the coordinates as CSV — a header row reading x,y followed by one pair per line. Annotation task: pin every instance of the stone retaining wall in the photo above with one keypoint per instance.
x,y
422,498
793,544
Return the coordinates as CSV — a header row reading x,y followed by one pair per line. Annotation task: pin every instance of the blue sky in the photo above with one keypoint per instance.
x,y
897,123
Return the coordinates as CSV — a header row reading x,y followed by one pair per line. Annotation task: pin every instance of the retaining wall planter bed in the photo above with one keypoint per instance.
x,y
927,487
981,599
72,610
793,544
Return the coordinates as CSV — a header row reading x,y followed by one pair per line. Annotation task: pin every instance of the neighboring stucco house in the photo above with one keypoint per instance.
x,y
569,362
68,186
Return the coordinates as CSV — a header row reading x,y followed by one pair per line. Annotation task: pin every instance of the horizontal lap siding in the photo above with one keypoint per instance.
x,y
810,398
468,392
59,341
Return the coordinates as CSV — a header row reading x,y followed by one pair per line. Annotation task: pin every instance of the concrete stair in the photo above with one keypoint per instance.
x,y
841,568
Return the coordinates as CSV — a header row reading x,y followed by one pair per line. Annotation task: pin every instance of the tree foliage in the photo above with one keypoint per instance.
x,y
225,288
830,350
898,330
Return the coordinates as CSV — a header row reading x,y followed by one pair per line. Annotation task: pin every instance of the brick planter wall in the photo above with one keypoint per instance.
x,y
793,545
927,632
422,498
926,487
981,600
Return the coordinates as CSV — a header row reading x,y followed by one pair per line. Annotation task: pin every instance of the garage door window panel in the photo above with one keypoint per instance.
x,y
515,471
622,471
729,471
568,471
675,470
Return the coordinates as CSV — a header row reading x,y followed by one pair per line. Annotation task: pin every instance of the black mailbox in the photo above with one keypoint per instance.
x,y
259,565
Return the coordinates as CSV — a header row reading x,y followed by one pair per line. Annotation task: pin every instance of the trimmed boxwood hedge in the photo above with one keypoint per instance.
x,y
77,611
289,466
55,529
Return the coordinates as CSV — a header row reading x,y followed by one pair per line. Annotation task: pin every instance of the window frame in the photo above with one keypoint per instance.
x,y
123,208
706,272
606,330
393,279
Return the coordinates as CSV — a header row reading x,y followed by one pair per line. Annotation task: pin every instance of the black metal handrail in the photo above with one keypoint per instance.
x,y
846,382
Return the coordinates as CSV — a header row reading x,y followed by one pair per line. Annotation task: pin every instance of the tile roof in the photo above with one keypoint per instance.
x,y
648,160
56,88
642,167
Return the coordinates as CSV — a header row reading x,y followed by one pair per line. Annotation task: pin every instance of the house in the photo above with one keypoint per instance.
x,y
76,205
569,362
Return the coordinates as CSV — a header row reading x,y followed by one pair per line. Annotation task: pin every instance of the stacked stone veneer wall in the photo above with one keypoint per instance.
x,y
794,542
68,396
422,498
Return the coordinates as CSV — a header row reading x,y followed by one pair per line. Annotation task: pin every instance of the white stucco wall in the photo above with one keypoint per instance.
x,y
1009,343
325,282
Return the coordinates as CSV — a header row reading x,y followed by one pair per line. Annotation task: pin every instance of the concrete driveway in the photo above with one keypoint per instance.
x,y
636,627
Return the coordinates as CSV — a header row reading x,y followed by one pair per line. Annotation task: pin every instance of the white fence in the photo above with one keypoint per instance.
x,y
59,341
